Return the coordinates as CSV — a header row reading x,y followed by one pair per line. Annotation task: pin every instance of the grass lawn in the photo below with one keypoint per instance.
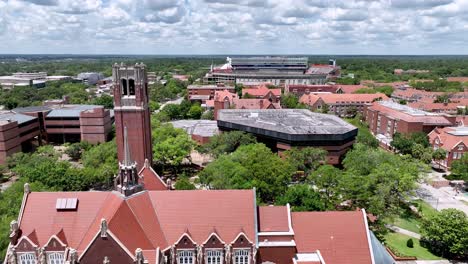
x,y
411,223
407,220
397,242
426,209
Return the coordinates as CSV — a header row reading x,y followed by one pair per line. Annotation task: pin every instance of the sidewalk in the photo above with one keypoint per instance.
x,y
404,231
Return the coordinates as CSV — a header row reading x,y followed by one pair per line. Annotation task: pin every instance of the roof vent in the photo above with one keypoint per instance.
x,y
66,204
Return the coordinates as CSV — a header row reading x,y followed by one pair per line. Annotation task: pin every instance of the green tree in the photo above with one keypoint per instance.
x,y
184,183
153,106
446,233
171,146
228,142
195,111
74,151
105,100
289,101
327,179
306,159
173,111
252,165
302,197
208,115
378,180
459,168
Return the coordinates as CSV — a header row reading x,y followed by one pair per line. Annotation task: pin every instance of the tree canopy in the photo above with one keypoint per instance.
x,y
446,233
252,165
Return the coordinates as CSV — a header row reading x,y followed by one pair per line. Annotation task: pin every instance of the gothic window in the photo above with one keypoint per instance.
x,y
214,257
124,87
241,256
185,257
55,258
131,86
27,258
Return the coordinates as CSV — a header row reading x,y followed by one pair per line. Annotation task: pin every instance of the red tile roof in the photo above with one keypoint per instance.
x,y
146,220
342,98
255,104
151,179
262,91
409,114
195,211
350,88
341,237
448,137
457,79
273,219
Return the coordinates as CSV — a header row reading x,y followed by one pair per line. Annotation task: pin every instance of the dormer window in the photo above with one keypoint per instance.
x,y
55,258
185,257
26,258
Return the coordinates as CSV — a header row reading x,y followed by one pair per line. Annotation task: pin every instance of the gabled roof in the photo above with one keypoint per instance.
x,y
195,210
151,179
261,90
449,137
341,237
146,220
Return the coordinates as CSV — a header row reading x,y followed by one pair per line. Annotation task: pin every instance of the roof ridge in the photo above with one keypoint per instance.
x,y
157,217
95,218
139,223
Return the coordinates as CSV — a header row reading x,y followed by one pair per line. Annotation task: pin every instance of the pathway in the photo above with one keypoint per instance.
x,y
175,101
442,198
404,231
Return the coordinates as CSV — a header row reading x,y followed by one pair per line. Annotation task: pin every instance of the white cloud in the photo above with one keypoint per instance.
x,y
234,26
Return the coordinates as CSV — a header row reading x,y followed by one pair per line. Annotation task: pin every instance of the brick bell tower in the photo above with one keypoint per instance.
x,y
131,111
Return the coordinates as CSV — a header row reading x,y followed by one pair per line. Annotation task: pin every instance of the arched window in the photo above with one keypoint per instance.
x,y
27,258
124,87
55,258
241,256
131,86
214,257
185,257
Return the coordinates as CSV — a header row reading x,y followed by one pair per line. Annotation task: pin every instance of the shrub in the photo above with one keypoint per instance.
x,y
410,243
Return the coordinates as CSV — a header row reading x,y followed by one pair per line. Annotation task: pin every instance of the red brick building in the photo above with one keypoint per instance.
x,y
301,89
54,123
386,118
227,100
202,93
341,104
454,140
262,92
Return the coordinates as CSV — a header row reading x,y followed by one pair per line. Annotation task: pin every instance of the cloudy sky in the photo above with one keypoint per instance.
x,y
234,26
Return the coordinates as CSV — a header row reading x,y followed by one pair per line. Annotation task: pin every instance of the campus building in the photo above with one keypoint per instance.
x,y
286,128
341,104
204,92
454,140
226,100
275,70
21,128
143,221
301,89
385,118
